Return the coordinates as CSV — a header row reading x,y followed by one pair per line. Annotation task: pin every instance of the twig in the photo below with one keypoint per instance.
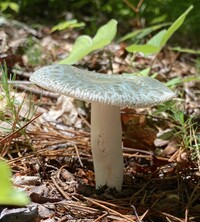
x,y
139,191
133,150
136,10
63,219
186,215
85,121
144,214
77,153
60,189
140,4
152,62
170,216
18,82
13,133
111,204
101,217
136,214
22,85
58,176
37,91
131,6
83,208
165,215
108,209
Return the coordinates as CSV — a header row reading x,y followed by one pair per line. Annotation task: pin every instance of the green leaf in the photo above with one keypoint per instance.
x,y
105,35
85,44
176,81
134,34
152,46
12,5
173,82
179,49
141,33
8,194
157,39
67,24
175,26
145,49
81,48
4,6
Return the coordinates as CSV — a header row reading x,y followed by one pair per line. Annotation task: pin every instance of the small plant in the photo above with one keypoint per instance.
x,y
84,44
186,133
158,41
6,89
183,127
15,111
184,130
156,44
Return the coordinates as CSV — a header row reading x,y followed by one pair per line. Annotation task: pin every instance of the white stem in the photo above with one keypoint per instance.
x,y
106,143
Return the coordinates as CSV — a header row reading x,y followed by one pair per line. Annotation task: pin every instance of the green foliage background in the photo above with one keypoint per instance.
x,y
95,13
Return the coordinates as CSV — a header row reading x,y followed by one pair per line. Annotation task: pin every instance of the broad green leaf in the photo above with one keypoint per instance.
x,y
85,44
67,24
145,49
8,194
141,33
175,26
176,81
81,48
173,82
157,39
4,6
179,49
105,35
12,5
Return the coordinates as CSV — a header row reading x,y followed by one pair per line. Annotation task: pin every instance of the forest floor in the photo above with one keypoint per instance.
x,y
46,139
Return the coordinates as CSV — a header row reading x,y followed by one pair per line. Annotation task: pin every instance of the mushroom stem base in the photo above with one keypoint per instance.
x,y
106,143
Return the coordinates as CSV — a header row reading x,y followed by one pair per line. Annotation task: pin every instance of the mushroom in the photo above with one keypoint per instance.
x,y
107,94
